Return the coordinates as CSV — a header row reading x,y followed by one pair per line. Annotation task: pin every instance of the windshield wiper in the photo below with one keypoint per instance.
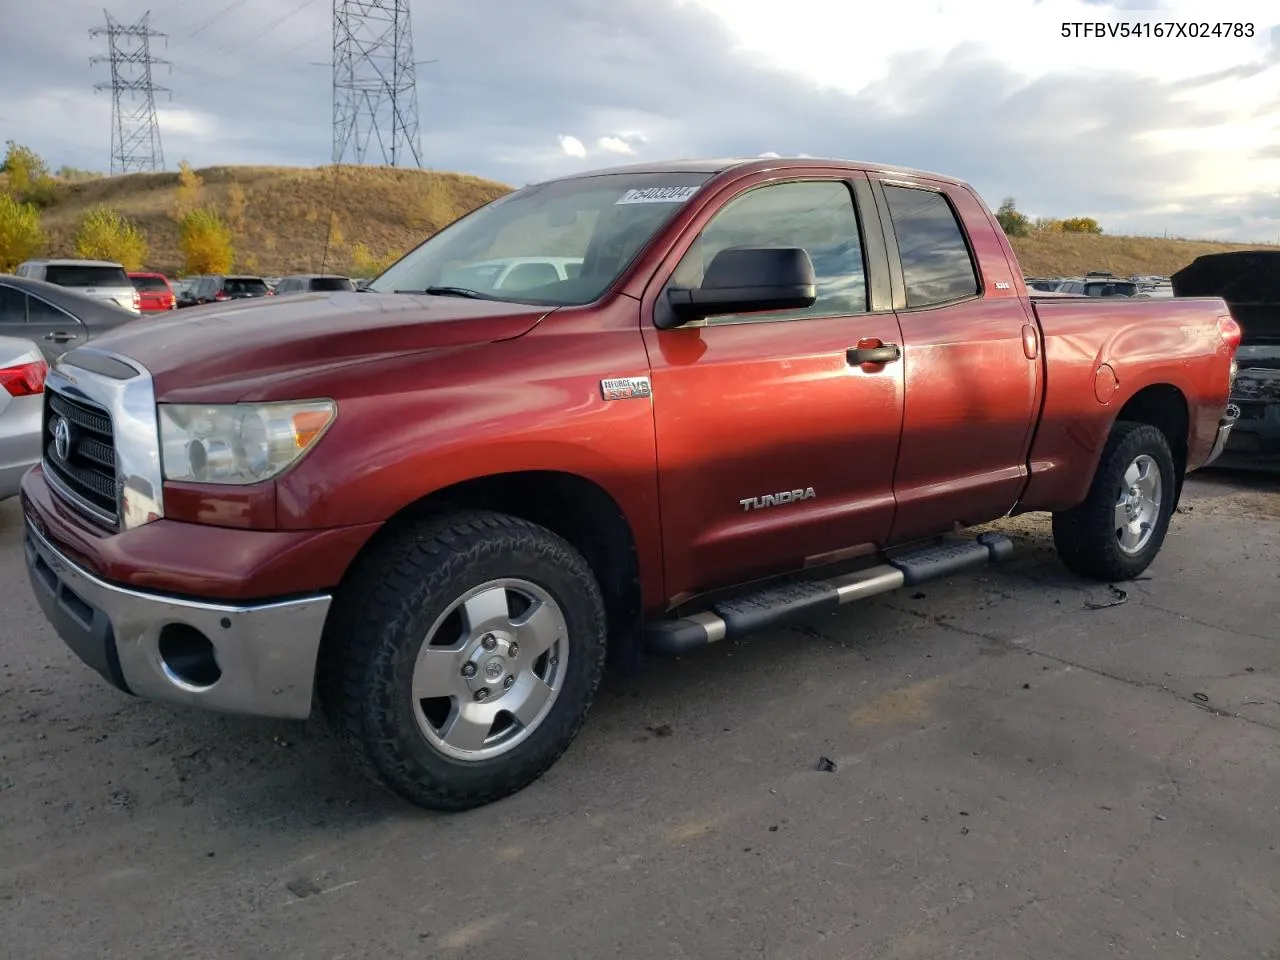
x,y
450,292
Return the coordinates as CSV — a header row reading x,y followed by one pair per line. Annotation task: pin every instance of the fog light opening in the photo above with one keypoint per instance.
x,y
188,657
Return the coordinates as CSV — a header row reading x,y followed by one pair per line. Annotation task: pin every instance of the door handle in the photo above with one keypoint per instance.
x,y
873,351
59,337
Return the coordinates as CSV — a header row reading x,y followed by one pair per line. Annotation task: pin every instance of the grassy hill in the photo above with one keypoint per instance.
x,y
284,219
282,224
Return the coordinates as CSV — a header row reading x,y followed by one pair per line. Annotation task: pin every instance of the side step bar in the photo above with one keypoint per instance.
x,y
777,606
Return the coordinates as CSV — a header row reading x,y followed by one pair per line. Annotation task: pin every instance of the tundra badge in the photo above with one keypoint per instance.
x,y
626,388
775,499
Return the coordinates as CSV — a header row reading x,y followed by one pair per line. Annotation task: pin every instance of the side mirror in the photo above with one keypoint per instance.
x,y
745,280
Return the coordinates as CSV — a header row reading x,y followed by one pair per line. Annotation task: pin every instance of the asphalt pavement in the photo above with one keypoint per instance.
x,y
1019,764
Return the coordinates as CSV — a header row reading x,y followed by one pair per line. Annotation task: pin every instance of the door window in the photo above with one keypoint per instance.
x,y
13,305
816,215
41,311
936,266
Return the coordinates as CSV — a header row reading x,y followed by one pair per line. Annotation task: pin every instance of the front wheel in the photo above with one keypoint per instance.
x,y
1121,525
463,656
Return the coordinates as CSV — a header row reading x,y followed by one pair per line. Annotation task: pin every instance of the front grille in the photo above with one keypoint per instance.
x,y
86,475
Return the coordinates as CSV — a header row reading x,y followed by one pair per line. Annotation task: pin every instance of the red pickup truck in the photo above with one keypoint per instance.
x,y
638,410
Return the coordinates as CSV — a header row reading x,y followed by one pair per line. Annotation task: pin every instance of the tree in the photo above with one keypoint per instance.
x,y
28,175
21,236
205,242
1013,223
1081,225
189,193
104,234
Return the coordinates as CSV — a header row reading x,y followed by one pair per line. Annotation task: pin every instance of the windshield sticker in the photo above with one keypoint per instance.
x,y
657,195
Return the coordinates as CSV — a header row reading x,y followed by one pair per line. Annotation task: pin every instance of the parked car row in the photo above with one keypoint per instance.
x,y
215,289
1099,284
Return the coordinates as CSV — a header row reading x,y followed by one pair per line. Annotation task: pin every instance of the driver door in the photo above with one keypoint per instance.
x,y
776,450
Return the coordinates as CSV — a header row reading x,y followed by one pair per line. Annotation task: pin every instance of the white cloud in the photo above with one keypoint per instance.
x,y
572,146
614,145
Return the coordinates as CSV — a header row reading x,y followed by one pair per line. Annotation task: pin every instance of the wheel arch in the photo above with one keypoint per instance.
x,y
1163,406
569,505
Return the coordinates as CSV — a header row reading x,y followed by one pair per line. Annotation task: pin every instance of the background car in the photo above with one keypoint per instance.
x,y
313,283
22,372
54,317
154,292
100,279
216,289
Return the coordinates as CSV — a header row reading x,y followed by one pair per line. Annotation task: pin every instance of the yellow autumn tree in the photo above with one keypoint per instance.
x,y
104,234
21,236
205,242
189,193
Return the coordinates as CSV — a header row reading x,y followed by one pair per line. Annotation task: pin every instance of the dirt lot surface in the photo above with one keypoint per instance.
x,y
1019,771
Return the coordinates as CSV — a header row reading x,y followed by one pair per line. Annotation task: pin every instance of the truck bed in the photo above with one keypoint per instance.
x,y
1093,349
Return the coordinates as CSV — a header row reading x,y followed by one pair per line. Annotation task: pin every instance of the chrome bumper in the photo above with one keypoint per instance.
x,y
255,659
1224,433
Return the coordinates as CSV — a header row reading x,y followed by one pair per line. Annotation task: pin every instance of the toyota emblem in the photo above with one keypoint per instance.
x,y
62,438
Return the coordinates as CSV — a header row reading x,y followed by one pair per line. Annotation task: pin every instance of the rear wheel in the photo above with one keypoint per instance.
x,y
463,656
1121,525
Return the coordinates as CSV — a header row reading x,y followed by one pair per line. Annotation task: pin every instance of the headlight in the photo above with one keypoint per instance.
x,y
238,442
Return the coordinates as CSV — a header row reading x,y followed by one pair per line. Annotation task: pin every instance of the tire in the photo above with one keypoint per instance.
x,y
400,594
1088,538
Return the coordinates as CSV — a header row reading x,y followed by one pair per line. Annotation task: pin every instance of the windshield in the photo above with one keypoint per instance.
x,y
561,243
249,285
80,275
150,284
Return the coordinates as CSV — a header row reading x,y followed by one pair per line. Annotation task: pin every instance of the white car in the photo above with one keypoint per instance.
x,y
514,273
99,279
22,372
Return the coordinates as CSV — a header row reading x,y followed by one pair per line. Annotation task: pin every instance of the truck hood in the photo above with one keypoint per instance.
x,y
249,342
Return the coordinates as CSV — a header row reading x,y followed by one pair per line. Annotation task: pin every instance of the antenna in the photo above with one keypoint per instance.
x,y
135,129
375,88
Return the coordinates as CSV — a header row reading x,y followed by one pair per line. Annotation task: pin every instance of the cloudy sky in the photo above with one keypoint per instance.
x,y
1146,134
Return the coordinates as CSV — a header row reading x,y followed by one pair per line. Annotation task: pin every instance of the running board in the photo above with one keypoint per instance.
x,y
777,606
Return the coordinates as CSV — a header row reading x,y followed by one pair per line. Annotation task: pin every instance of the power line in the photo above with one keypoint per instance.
x,y
206,24
135,127
267,28
273,58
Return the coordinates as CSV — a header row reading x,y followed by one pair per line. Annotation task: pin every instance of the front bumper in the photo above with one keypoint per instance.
x,y
256,659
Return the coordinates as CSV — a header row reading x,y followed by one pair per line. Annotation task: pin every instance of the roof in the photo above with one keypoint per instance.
x,y
75,261
747,165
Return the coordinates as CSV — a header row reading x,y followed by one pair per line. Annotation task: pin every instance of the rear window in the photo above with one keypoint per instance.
x,y
331,283
245,285
75,275
1110,289
150,284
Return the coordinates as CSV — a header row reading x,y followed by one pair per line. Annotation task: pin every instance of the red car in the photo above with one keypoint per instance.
x,y
154,292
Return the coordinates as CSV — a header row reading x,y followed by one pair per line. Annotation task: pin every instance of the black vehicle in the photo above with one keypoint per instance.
x,y
54,317
313,283
1249,280
216,289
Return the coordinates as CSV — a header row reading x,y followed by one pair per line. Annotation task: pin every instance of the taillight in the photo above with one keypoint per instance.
x,y
1230,332
24,380
137,300
221,296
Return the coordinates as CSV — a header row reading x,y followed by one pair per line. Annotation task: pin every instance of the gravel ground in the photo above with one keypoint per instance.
x,y
1019,771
